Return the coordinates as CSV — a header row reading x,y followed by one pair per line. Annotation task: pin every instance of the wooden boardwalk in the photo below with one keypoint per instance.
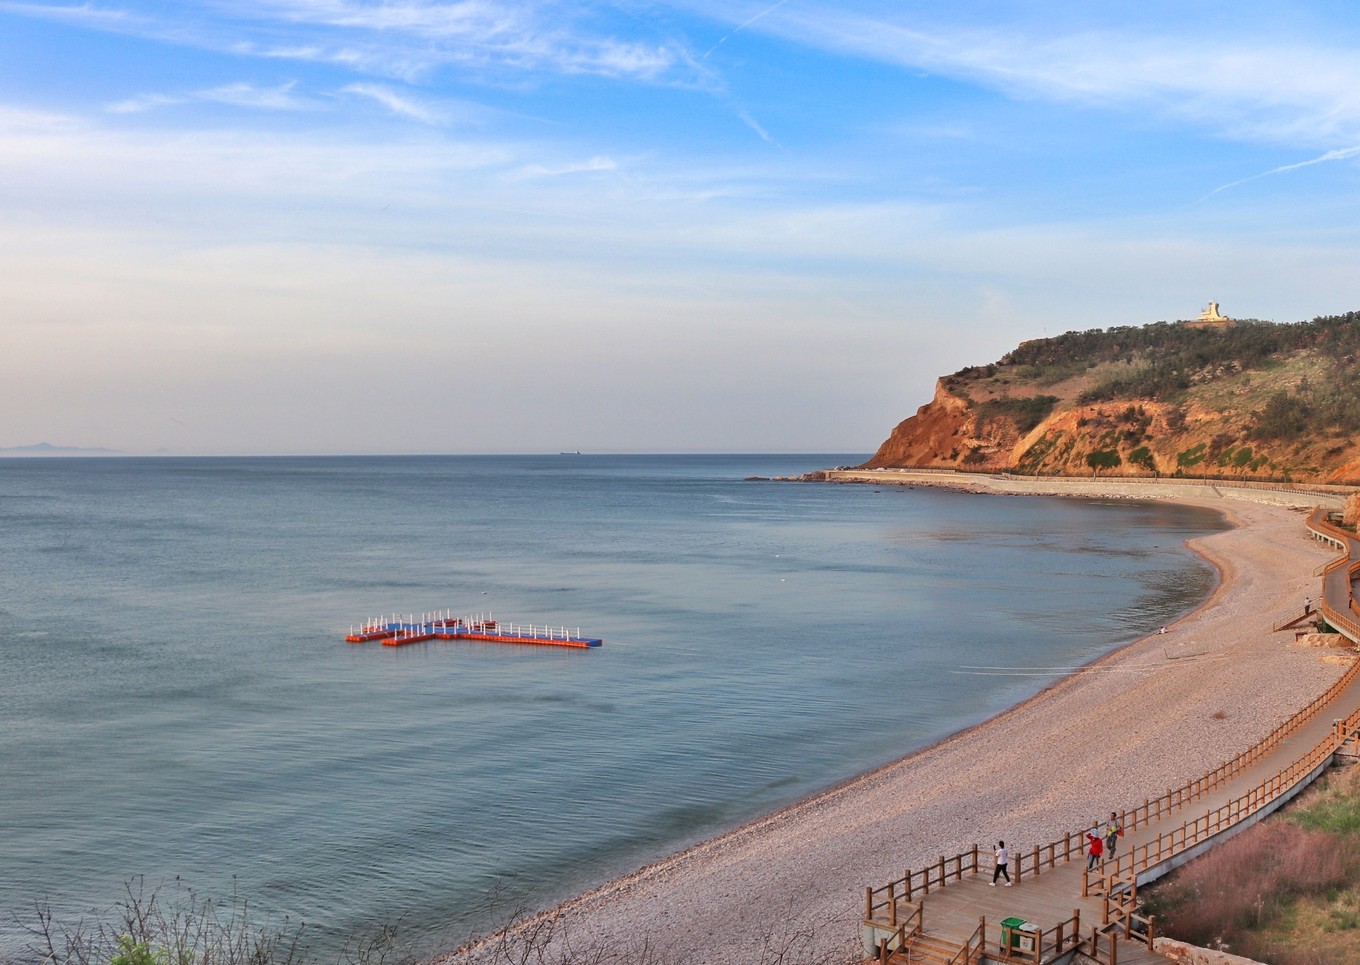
x,y
1338,604
950,912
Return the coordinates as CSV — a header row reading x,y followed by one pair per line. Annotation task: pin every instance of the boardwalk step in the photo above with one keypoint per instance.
x,y
928,950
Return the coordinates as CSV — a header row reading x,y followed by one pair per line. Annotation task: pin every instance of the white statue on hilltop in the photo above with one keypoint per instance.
x,y
1211,314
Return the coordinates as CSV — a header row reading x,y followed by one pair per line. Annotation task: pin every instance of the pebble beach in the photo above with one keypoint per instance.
x,y
789,887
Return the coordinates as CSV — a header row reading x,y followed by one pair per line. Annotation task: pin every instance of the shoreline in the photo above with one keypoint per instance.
x,y
790,883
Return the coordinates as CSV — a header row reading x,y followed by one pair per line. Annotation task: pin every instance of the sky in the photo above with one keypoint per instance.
x,y
487,226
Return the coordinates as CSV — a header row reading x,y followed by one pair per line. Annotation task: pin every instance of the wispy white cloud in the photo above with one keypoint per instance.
x,y
593,166
18,122
84,14
280,98
1338,155
1237,84
755,125
145,102
742,26
395,102
406,39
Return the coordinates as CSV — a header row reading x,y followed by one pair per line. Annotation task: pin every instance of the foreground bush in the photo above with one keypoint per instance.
x,y
1250,894
184,928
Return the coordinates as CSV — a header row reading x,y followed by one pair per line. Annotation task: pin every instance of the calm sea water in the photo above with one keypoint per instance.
x,y
177,699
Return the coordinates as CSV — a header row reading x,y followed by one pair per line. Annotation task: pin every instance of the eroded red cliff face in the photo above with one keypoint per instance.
x,y
1255,401
1137,438
948,433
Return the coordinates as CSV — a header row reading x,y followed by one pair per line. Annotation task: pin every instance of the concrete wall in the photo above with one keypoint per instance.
x,y
1183,954
1126,487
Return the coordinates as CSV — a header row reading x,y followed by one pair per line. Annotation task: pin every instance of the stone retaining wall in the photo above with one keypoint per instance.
x,y
1184,954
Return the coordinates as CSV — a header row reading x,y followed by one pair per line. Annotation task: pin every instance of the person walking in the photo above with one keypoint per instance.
x,y
1095,845
1112,832
1003,859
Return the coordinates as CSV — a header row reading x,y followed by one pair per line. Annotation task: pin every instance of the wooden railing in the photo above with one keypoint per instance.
x,y
1349,622
1048,943
1104,946
1175,799
1168,845
1350,583
1120,897
973,948
894,907
916,884
1141,927
1066,934
900,910
912,925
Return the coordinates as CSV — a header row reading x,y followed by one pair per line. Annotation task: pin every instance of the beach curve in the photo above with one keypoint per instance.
x,y
1145,717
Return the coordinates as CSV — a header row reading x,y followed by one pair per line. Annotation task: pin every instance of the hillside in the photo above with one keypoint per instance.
x,y
1251,399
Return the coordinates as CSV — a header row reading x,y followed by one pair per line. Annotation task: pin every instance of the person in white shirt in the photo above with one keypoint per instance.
x,y
1003,858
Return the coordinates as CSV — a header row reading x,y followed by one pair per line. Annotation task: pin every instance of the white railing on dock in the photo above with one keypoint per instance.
x,y
482,623
533,631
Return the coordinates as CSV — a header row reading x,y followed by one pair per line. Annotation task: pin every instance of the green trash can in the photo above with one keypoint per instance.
x,y
1010,933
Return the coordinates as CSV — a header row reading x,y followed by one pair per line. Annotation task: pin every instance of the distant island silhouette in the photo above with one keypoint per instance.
x,y
47,449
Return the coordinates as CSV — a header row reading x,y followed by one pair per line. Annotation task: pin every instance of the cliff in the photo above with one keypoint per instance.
x,y
1257,400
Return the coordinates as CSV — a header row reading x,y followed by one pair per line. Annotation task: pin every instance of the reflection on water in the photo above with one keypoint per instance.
x,y
177,701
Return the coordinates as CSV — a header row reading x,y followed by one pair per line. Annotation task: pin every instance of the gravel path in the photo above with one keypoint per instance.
x,y
790,887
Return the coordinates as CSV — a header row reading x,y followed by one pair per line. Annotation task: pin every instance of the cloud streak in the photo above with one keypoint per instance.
x,y
408,40
395,102
242,94
254,185
1278,90
1338,155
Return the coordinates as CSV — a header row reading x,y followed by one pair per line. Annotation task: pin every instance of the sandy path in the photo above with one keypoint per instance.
x,y
789,887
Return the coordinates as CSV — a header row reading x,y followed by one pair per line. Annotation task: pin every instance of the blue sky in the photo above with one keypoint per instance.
x,y
267,226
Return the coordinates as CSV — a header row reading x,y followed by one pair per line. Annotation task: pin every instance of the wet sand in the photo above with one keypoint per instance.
x,y
789,887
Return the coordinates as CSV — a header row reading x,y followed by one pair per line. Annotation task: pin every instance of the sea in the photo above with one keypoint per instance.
x,y
181,715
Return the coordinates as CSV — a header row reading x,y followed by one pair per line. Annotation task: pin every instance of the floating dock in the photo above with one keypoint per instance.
x,y
395,632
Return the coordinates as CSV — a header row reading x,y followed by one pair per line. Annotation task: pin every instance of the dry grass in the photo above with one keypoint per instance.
x,y
174,925
1286,892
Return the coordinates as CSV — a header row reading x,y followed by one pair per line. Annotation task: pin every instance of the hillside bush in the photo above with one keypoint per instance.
x,y
1103,459
1161,361
1142,456
1250,882
1025,411
1285,892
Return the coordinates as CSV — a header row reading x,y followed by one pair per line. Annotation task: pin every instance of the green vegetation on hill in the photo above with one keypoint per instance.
x,y
1161,361
1251,399
1026,411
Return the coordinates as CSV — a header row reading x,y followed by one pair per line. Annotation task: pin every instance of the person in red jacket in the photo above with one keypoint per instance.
x,y
1095,845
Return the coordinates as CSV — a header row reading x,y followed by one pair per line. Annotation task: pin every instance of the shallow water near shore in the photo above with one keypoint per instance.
x,y
177,699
